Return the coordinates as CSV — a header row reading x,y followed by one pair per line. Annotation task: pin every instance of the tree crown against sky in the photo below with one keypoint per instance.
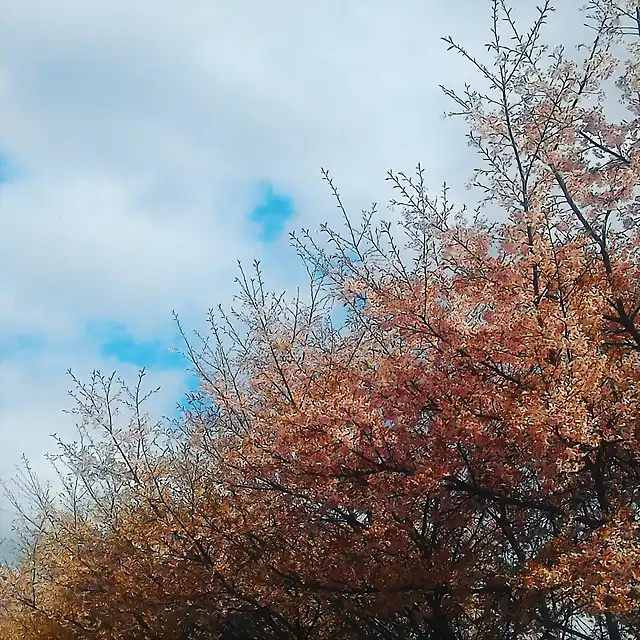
x,y
458,460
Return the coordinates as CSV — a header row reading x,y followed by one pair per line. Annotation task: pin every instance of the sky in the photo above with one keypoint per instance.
x,y
148,145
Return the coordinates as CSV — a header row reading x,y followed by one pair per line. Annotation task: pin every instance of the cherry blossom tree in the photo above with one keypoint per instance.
x,y
458,460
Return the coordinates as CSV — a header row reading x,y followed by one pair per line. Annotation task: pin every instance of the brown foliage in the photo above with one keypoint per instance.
x,y
459,461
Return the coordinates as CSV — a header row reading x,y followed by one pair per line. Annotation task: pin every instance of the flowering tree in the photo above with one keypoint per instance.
x,y
459,460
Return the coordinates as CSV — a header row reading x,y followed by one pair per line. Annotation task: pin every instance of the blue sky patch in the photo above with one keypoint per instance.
x,y
272,212
8,172
339,315
117,342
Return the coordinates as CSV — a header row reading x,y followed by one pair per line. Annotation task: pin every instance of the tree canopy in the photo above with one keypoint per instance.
x,y
458,460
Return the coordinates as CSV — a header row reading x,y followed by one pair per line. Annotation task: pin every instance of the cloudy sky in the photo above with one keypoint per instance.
x,y
147,145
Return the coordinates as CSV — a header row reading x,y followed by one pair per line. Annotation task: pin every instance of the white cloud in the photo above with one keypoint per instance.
x,y
140,127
